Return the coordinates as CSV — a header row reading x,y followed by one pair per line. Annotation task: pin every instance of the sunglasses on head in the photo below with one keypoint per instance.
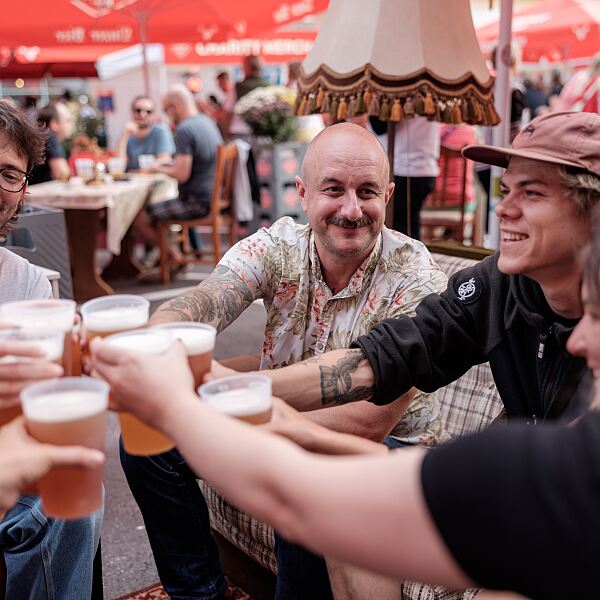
x,y
139,111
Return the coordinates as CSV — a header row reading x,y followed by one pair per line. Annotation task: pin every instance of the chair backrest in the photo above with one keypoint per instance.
x,y
452,162
222,196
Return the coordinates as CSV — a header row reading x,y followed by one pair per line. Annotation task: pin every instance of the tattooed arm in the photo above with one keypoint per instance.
x,y
336,377
218,301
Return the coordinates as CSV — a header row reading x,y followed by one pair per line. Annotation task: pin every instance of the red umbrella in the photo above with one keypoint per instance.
x,y
553,31
80,22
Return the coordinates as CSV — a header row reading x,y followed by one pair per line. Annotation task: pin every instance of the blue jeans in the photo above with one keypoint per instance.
x,y
177,523
48,559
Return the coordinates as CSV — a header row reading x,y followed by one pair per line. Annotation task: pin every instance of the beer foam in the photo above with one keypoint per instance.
x,y
116,318
66,405
40,315
239,403
194,339
147,343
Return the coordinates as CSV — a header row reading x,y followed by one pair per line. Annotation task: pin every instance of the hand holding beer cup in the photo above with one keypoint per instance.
x,y
24,359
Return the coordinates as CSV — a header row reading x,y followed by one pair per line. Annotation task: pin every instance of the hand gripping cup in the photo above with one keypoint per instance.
x,y
64,412
40,315
245,397
199,342
138,438
51,342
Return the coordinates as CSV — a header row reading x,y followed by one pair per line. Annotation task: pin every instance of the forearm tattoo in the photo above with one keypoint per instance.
x,y
218,300
336,381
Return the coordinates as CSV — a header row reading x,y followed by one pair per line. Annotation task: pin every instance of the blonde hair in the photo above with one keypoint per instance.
x,y
583,187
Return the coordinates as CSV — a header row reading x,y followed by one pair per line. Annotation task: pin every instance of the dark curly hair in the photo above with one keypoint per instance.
x,y
18,133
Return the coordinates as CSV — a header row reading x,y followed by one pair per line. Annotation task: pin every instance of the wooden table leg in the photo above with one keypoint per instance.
x,y
124,266
83,227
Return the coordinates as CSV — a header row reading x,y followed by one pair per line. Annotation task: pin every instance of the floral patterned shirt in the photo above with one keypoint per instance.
x,y
304,318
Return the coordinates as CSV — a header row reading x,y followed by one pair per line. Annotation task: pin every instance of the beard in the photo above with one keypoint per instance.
x,y
7,226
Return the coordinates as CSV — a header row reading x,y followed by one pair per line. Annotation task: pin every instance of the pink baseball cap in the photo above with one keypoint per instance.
x,y
562,138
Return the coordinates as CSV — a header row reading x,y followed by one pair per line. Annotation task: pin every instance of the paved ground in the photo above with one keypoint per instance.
x,y
126,557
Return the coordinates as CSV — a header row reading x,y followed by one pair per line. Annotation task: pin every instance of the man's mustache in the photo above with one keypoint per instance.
x,y
347,223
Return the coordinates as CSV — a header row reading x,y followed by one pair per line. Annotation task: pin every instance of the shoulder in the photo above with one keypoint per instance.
x,y
54,148
482,280
287,231
25,281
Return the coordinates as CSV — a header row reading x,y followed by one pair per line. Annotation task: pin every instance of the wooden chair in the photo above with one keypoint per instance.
x,y
221,217
436,215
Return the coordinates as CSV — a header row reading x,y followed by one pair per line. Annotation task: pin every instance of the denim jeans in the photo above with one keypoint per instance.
x,y
48,559
177,523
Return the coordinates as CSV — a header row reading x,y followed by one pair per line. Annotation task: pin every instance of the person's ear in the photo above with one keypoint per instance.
x,y
301,192
389,192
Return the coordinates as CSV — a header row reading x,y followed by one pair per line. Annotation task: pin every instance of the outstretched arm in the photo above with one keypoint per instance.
x,y
218,300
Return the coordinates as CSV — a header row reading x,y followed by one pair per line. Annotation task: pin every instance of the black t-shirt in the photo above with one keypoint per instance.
x,y
519,507
53,149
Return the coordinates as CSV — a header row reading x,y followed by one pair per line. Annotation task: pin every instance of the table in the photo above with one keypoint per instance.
x,y
84,206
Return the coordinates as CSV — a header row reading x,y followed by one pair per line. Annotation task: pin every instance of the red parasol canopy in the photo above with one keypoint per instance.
x,y
81,22
553,31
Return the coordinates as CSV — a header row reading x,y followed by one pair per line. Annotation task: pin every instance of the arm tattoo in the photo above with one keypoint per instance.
x,y
336,381
218,300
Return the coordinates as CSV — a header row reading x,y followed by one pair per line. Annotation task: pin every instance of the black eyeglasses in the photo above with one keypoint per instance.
x,y
139,111
12,180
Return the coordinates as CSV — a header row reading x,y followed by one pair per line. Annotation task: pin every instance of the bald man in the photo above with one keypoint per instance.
x,y
323,285
196,141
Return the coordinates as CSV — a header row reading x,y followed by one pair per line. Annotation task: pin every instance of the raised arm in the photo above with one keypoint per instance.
x,y
218,300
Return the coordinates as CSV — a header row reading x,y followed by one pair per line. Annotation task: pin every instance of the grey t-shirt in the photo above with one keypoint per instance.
x,y
159,140
199,138
20,280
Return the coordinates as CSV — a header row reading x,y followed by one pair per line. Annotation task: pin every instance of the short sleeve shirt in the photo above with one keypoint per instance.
x,y
304,318
20,280
158,141
53,149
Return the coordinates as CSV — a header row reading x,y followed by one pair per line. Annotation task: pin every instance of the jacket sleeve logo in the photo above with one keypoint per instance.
x,y
470,290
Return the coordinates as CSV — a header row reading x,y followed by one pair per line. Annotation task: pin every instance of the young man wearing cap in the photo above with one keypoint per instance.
x,y
515,309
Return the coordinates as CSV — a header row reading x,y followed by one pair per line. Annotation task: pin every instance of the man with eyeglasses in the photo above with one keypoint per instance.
x,y
142,136
45,558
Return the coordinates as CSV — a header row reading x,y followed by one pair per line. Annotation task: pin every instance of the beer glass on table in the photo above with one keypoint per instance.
x,y
140,439
64,412
50,342
245,397
40,315
199,342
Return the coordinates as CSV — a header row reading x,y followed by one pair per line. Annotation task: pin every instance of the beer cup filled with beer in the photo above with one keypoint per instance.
x,y
65,412
245,397
138,438
51,343
199,342
39,315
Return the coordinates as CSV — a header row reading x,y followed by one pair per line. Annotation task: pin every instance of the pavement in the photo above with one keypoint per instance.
x,y
127,560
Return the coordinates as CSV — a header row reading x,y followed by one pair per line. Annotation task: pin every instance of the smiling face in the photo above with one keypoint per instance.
x,y
344,189
142,111
540,233
10,202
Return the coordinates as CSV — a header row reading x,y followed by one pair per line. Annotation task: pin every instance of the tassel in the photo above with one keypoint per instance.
x,y
491,114
429,108
397,113
419,105
320,99
310,109
334,107
342,112
384,114
360,105
438,112
478,111
472,111
303,105
352,107
374,108
409,108
447,115
367,97
297,103
464,110
326,106
456,114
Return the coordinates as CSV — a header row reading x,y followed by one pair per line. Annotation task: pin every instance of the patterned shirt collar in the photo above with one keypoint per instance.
x,y
361,275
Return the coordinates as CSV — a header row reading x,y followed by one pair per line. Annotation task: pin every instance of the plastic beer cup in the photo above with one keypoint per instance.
x,y
199,342
140,439
245,397
51,342
64,412
39,315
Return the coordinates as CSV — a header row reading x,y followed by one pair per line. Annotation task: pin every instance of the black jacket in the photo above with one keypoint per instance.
x,y
484,315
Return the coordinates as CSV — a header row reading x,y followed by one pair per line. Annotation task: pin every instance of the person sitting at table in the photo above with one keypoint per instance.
x,y
45,558
323,285
56,118
143,136
196,140
512,508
